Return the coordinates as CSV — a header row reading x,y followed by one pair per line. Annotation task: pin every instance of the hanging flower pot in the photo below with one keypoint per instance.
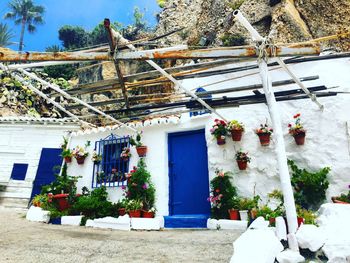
x,y
141,151
147,214
68,159
236,135
264,138
135,213
299,138
234,214
242,165
221,140
80,159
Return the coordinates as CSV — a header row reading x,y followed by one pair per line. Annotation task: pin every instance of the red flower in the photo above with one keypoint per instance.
x,y
289,125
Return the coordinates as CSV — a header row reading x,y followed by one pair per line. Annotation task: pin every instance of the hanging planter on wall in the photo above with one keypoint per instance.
x,y
219,131
221,140
236,129
264,133
300,138
242,159
80,159
68,159
141,150
297,130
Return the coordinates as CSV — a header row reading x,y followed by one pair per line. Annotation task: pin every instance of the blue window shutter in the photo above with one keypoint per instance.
x,y
19,171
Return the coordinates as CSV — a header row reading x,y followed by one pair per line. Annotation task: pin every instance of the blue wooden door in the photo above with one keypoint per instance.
x,y
50,157
188,173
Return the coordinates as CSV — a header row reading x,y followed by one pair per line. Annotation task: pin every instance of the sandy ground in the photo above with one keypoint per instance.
x,y
24,241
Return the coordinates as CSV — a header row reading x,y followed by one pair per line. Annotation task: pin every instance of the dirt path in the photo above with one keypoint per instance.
x,y
24,241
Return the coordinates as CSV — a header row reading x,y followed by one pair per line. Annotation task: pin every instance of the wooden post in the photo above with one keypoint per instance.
x,y
274,111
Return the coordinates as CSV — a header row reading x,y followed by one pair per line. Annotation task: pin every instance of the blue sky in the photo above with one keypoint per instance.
x,y
85,13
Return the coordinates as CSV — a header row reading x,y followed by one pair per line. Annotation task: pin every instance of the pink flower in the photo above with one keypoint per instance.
x,y
123,187
145,186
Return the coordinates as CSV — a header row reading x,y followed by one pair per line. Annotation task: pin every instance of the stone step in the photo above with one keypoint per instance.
x,y
16,192
21,203
186,221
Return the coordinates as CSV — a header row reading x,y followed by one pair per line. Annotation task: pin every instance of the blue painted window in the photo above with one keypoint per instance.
x,y
111,170
201,112
19,171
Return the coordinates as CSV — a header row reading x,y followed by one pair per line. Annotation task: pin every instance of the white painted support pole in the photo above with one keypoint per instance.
x,y
56,88
301,85
41,94
274,111
124,41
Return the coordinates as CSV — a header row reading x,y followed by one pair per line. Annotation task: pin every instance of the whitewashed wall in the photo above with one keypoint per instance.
x,y
327,141
22,143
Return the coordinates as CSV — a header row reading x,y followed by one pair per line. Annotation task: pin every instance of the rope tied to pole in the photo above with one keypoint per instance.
x,y
262,49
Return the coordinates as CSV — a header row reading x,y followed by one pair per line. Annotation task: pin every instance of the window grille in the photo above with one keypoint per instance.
x,y
201,112
111,170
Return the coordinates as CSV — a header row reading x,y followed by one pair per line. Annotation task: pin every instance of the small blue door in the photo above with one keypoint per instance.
x,y
188,173
50,157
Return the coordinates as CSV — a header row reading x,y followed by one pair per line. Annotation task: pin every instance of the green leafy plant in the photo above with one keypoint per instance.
x,y
140,186
231,40
308,215
297,127
309,187
66,153
267,213
242,156
264,128
134,204
235,125
219,128
248,203
137,141
223,195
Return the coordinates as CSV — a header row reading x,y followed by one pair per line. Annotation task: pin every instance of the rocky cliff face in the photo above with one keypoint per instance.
x,y
209,22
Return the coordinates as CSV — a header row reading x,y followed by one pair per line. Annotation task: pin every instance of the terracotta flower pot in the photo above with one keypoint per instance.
x,y
68,159
264,139
121,211
147,214
135,213
236,135
141,151
299,138
272,221
234,214
300,220
220,140
336,201
62,200
242,165
80,159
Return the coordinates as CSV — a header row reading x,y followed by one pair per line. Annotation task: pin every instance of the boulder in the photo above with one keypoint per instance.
x,y
259,223
256,245
212,224
289,256
71,220
310,237
37,214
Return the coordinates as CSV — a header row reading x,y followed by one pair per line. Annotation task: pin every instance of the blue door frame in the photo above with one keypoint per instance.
x,y
188,173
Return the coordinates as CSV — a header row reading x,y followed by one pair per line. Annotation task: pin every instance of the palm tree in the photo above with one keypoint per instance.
x,y
25,13
5,35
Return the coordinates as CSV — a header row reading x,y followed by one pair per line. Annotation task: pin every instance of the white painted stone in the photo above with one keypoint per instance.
x,y
212,224
37,214
256,245
146,223
90,223
289,256
281,229
120,223
293,242
259,223
310,237
71,220
232,224
243,215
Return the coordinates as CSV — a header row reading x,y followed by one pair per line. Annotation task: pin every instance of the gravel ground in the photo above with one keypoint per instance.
x,y
24,241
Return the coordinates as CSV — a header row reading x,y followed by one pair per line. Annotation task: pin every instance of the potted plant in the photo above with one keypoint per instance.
x,y
222,195
134,208
122,204
96,158
67,155
242,159
264,134
297,130
125,154
140,148
245,205
149,213
40,200
234,210
236,128
80,154
219,131
306,216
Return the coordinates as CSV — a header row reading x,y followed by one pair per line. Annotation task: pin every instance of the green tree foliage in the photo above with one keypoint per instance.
x,y
309,187
5,35
26,14
73,37
222,195
161,3
139,25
